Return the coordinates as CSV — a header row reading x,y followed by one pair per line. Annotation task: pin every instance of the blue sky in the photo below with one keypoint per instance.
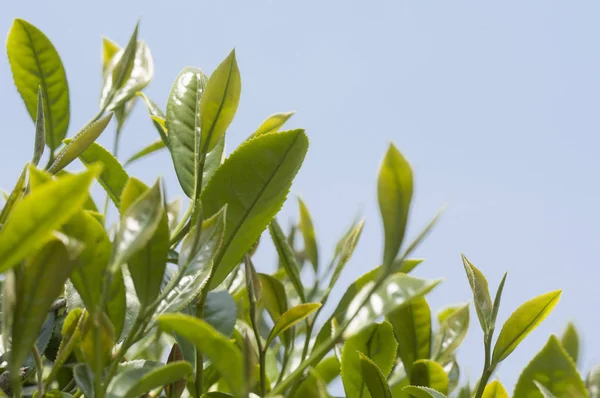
x,y
494,104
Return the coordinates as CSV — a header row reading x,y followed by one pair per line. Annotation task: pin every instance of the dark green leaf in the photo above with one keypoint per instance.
x,y
40,129
287,257
35,63
220,311
85,379
253,194
554,369
138,381
201,244
394,192
521,322
79,143
481,295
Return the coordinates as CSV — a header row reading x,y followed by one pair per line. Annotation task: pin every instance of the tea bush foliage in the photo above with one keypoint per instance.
x,y
170,304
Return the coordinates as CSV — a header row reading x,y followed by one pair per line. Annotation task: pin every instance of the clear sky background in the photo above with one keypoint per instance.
x,y
494,104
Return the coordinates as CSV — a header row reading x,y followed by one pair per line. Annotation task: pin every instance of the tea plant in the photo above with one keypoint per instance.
x,y
163,304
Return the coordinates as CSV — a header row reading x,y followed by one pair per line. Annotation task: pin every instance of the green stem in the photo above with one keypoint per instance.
x,y
488,367
78,394
16,385
39,370
182,228
115,151
98,387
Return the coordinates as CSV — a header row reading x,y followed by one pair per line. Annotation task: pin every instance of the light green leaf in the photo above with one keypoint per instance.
x,y
428,373
593,382
219,103
570,342
453,329
273,296
147,265
220,311
39,284
395,291
453,372
97,340
412,328
545,392
40,129
521,322
394,192
494,390
34,218
497,299
158,117
35,63
374,379
253,194
79,143
272,123
313,386
15,197
422,392
375,342
328,369
308,234
290,318
155,146
109,49
113,177
138,225
135,382
287,258
554,369
224,355
481,295
406,266
201,244
344,250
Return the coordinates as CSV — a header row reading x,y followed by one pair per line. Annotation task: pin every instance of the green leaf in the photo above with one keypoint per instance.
x,y
570,342
35,63
147,265
224,355
593,382
273,296
287,258
201,244
453,329
554,369
394,192
412,328
344,250
155,146
156,113
494,390
422,392
406,266
139,223
290,318
545,392
40,129
39,284
34,218
253,194
328,369
313,386
521,322
15,197
395,291
374,379
220,311
79,143
308,234
272,123
428,373
113,177
375,342
137,381
481,295
97,340
219,103
109,49
85,379
183,124
453,372
497,299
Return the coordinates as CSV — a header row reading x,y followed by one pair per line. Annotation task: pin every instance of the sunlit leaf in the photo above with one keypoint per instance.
x,y
158,117
422,392
109,49
135,381
154,147
570,342
345,249
15,196
452,331
272,123
494,390
308,233
290,318
428,373
481,295
374,378
287,257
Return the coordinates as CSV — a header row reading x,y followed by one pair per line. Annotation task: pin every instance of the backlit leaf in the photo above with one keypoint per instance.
x,y
422,392
428,373
570,342
15,196
154,147
287,257
290,318
494,390
481,295
308,233
452,331
158,117
272,123
374,378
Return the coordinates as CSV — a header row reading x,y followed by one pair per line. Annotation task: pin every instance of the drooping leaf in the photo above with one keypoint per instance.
x,y
35,63
521,322
375,342
494,390
40,283
374,378
290,318
79,143
154,147
147,265
225,355
253,194
34,218
395,291
422,392
308,234
412,328
428,373
481,295
136,381
40,130
219,103
113,177
555,370
158,117
220,311
570,342
394,192
452,332
287,258
15,196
